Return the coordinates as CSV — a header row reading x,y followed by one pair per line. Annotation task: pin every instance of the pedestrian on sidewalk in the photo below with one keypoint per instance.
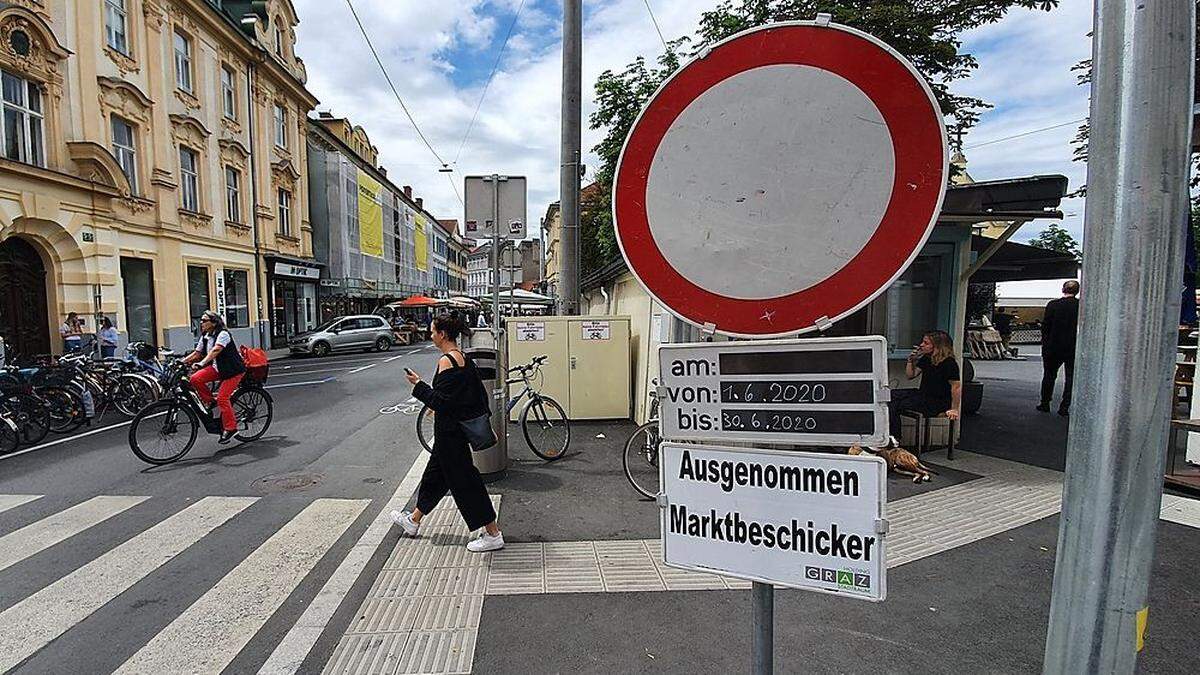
x,y
108,339
457,394
1060,324
71,331
940,391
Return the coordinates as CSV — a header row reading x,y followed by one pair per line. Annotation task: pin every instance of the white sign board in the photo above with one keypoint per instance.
x,y
221,293
530,331
595,330
820,391
479,194
283,269
798,519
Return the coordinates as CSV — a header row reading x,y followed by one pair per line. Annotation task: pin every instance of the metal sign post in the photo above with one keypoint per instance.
x,y
500,392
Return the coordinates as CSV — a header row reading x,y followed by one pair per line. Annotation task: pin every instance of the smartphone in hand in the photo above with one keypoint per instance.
x,y
409,370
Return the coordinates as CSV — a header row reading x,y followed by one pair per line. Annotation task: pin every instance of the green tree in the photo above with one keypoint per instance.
x,y
925,31
1056,238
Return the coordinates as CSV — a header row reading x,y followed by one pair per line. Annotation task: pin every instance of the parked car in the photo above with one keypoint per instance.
x,y
361,331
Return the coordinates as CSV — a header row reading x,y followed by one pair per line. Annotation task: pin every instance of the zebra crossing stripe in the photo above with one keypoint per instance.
x,y
41,535
31,624
210,633
13,501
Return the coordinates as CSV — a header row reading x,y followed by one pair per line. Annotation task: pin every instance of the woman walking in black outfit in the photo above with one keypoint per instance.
x,y
457,394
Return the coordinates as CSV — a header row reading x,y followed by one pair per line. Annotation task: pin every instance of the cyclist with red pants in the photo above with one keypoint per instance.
x,y
217,359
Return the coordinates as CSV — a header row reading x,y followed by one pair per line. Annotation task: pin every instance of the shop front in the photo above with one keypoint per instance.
x,y
293,296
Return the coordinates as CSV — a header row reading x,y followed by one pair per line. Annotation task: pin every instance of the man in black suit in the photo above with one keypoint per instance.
x,y
1059,327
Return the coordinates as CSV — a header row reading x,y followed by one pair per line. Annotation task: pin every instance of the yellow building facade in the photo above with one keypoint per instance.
x,y
153,165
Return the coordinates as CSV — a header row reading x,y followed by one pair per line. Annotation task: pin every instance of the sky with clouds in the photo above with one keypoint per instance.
x,y
440,54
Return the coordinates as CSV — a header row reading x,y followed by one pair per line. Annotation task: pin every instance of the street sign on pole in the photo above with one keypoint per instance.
x,y
481,201
805,520
781,180
816,391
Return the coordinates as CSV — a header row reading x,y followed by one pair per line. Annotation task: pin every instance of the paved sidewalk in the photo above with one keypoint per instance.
x,y
581,585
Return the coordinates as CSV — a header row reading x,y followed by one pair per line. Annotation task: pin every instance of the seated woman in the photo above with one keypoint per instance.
x,y
941,385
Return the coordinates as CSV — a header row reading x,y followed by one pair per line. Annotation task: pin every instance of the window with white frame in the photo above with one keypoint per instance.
x,y
125,150
189,179
280,126
285,213
228,92
233,195
21,134
183,62
116,25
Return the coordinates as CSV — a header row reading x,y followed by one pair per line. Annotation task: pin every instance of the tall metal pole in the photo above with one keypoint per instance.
x,y
499,398
572,84
1143,57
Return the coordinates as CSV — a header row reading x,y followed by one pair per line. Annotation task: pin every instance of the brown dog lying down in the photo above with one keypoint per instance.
x,y
899,460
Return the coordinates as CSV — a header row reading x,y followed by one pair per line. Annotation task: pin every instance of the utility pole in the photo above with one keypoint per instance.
x,y
499,389
572,84
1141,115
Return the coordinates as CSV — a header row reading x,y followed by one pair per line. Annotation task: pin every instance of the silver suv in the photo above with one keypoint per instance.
x,y
361,331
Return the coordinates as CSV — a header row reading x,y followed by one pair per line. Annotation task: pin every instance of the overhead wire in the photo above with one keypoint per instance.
x,y
657,28
1024,133
495,67
400,100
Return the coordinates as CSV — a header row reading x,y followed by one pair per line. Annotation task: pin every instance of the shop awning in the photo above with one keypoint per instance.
x,y
419,301
1022,262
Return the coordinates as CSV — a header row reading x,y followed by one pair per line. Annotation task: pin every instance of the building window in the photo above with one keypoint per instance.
x,y
285,213
233,195
21,134
189,179
919,301
137,280
280,126
228,93
116,26
237,299
278,40
198,298
183,62
125,150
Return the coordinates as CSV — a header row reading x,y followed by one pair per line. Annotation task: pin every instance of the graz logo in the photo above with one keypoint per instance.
x,y
843,578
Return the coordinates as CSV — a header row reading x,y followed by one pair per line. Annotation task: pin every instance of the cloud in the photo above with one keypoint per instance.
x,y
440,53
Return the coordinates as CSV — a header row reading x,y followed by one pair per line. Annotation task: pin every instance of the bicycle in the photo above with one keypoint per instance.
x,y
28,412
111,386
640,458
10,437
165,430
542,418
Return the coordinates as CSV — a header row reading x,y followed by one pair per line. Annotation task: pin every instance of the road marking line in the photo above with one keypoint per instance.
x,y
298,384
299,641
398,356
413,352
309,372
210,633
362,368
13,501
31,624
64,440
41,535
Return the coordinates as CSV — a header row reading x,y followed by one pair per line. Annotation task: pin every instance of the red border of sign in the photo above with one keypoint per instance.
x,y
918,139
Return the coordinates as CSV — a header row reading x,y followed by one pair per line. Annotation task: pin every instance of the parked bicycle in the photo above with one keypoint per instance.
x,y
10,437
543,421
111,386
164,431
640,458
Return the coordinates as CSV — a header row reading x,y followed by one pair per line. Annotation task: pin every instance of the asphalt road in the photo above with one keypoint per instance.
x,y
110,564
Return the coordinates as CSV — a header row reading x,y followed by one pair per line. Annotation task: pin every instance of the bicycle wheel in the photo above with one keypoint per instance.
x,y
131,393
10,439
253,409
66,409
641,459
546,429
32,417
163,431
425,428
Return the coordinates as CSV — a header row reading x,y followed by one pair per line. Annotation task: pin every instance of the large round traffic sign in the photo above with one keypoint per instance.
x,y
781,180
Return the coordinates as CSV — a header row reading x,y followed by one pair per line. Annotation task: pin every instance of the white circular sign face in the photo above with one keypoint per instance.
x,y
788,228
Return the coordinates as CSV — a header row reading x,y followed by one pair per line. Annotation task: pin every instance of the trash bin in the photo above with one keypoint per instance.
x,y
494,461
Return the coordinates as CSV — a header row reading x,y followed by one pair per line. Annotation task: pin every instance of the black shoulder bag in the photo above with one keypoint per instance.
x,y
478,430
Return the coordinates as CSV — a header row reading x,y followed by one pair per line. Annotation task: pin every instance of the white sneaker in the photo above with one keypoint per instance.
x,y
405,520
486,542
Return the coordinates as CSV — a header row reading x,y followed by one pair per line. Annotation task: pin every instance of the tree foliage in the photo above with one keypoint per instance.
x,y
1055,238
925,31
